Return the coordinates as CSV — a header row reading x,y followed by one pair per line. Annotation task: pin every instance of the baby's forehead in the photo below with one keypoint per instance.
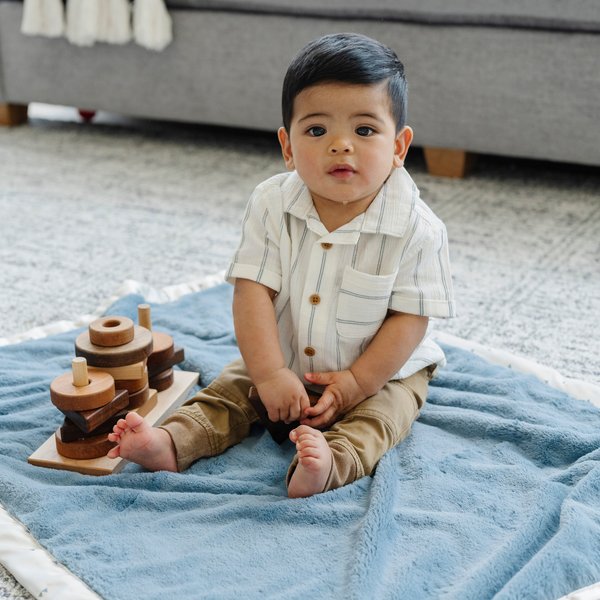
x,y
337,98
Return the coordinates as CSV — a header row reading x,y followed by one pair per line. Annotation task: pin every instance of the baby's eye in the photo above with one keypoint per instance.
x,y
365,131
317,131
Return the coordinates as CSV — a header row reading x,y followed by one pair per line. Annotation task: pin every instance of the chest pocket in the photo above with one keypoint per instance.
x,y
363,303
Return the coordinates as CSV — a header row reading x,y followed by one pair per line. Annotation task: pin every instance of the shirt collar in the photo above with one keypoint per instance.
x,y
388,214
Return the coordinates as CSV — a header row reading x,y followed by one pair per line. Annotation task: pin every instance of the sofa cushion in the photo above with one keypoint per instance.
x,y
574,15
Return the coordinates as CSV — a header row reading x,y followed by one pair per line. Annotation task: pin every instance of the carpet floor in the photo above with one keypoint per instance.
x,y
85,206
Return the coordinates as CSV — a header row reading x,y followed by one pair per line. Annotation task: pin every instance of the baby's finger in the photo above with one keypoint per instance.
x,y
320,421
321,406
273,415
294,413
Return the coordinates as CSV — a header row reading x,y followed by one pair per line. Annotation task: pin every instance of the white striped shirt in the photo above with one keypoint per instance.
x,y
334,288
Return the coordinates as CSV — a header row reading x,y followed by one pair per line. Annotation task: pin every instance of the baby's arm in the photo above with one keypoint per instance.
x,y
393,345
280,390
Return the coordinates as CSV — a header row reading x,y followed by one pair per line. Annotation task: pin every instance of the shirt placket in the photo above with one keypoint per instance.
x,y
313,315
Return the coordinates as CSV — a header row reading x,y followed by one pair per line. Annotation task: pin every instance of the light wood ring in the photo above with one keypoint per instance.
x,y
111,331
66,396
92,447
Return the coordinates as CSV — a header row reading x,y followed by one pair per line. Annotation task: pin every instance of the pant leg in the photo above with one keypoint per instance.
x,y
216,418
360,438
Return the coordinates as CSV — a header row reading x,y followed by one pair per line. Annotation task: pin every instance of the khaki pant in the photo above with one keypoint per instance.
x,y
221,415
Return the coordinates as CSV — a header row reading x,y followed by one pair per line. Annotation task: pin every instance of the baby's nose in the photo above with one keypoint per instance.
x,y
340,146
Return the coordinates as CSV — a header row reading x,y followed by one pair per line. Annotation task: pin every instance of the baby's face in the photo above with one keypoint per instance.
x,y
343,142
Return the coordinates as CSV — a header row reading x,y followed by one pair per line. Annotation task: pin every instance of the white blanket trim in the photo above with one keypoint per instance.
x,y
44,577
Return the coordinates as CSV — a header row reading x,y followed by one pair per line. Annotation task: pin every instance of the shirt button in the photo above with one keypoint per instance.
x,y
315,299
326,245
309,351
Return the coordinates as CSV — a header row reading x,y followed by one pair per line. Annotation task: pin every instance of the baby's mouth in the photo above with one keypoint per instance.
x,y
341,171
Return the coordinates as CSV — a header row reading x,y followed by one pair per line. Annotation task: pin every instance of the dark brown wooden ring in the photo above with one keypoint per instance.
x,y
115,356
163,380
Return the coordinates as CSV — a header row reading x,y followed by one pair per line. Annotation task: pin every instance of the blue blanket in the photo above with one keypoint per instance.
x,y
495,493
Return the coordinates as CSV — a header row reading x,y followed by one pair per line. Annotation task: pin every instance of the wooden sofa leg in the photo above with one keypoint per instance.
x,y
446,162
13,114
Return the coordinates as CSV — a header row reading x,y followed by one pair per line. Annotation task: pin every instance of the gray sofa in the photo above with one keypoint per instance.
x,y
507,77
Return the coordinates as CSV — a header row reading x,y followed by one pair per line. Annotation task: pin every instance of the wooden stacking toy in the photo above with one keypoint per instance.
x,y
164,354
128,366
88,399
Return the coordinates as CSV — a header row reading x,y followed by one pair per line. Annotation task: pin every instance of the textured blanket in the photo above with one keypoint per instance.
x,y
494,494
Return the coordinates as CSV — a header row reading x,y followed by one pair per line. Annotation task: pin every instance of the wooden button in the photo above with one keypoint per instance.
x,y
309,351
111,331
315,299
326,245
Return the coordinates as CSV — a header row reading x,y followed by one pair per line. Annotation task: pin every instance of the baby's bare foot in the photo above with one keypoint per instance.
x,y
147,446
314,462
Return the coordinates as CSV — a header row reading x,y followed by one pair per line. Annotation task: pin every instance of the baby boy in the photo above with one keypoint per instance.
x,y
339,267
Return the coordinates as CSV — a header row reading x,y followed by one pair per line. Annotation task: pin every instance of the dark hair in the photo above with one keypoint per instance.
x,y
348,58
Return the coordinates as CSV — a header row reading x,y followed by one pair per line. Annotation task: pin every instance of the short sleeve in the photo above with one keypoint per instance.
x,y
423,285
257,256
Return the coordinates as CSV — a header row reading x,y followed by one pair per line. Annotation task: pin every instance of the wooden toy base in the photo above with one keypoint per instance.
x,y
47,456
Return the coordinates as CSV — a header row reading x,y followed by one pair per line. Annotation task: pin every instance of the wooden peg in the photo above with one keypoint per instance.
x,y
144,316
80,372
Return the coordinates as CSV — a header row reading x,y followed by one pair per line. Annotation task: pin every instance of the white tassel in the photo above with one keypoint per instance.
x,y
115,22
152,24
82,21
43,17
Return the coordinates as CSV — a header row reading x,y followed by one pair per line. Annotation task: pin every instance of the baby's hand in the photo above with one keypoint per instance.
x,y
342,393
283,395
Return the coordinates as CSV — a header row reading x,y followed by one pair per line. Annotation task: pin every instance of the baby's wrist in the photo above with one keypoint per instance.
x,y
367,385
265,374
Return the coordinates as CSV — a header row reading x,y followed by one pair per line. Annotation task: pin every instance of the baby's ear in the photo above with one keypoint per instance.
x,y
402,144
286,148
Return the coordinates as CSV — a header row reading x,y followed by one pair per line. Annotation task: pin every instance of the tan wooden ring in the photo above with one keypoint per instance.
x,y
111,331
66,396
92,447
